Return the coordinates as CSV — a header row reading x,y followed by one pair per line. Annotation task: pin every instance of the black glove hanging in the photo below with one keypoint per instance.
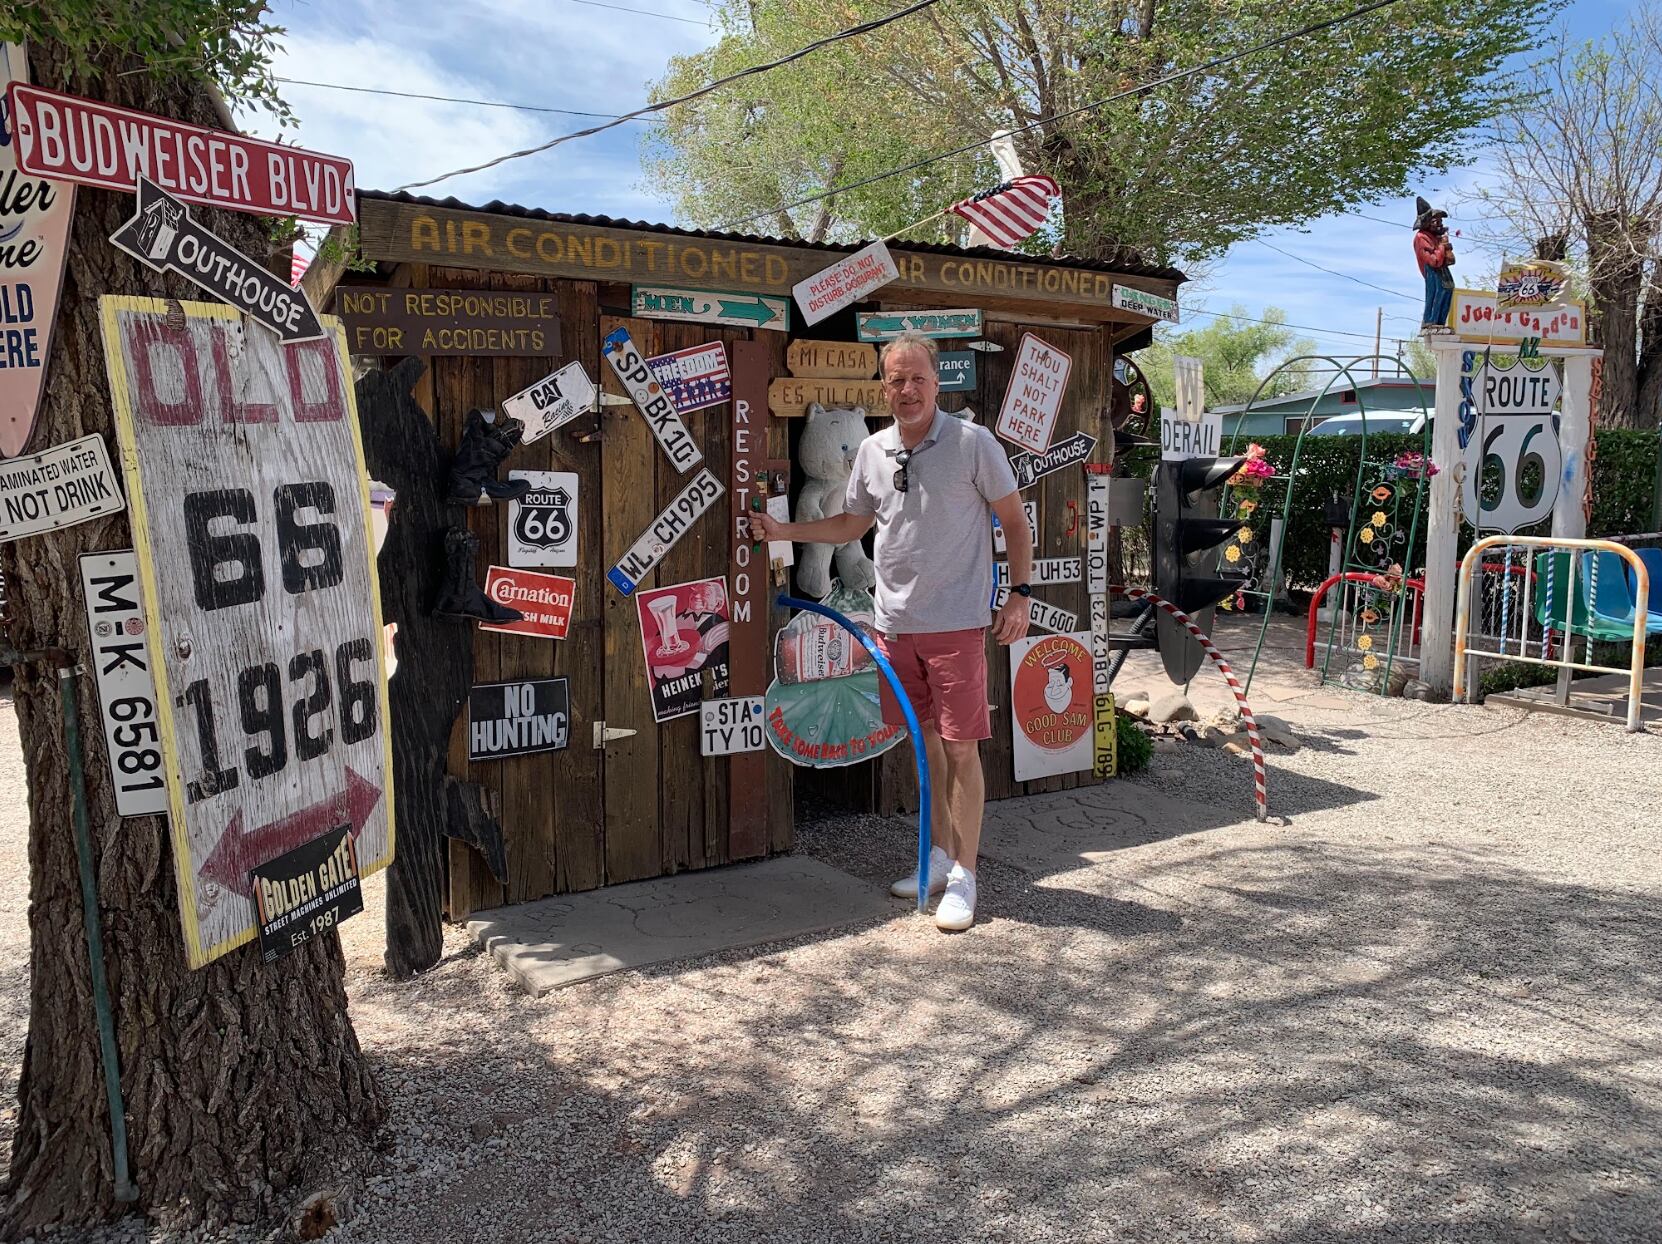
x,y
460,596
484,447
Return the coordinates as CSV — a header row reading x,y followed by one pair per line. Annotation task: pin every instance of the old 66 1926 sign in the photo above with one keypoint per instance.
x,y
251,524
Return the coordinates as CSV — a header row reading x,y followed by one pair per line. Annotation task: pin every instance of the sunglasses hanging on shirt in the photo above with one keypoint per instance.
x,y
902,458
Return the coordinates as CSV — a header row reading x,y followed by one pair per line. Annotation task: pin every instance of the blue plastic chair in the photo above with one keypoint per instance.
x,y
1653,567
1613,597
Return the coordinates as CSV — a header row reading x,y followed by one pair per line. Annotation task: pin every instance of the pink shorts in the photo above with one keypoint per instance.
x,y
945,676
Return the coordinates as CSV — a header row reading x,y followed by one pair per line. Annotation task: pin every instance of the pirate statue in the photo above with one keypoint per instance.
x,y
1435,255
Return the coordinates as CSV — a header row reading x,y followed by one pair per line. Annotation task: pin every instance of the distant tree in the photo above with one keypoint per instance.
x,y
1581,177
236,1078
1237,353
1176,173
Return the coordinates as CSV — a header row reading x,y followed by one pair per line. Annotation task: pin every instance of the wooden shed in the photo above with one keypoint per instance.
x,y
615,806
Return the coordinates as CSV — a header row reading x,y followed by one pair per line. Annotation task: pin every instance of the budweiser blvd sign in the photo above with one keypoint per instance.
x,y
544,599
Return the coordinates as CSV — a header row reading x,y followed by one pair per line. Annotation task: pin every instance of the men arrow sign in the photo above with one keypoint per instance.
x,y
163,237
238,853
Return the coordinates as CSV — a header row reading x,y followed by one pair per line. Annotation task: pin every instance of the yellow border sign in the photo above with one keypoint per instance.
x,y
264,633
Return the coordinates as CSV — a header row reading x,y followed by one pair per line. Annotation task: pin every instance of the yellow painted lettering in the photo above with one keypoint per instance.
x,y
516,244
424,234
724,264
476,233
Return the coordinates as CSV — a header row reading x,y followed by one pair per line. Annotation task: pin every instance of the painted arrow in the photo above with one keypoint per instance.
x,y
1031,468
881,325
237,853
164,237
752,309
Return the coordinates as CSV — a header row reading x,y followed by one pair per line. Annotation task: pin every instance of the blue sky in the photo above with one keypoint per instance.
x,y
584,56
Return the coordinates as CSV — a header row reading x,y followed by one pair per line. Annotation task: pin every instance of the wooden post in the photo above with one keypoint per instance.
x,y
748,656
1442,546
435,671
1569,514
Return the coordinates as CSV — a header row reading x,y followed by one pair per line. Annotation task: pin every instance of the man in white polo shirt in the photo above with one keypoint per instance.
x,y
929,482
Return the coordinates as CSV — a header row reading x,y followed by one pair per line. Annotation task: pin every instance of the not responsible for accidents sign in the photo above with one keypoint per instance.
x,y
262,610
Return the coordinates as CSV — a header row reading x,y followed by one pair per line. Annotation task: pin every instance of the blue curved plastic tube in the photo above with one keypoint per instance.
x,y
918,752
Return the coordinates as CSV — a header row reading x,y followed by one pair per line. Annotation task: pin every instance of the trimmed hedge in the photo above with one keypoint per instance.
x,y
1624,476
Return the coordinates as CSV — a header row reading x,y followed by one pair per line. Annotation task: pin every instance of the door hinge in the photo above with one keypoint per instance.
x,y
604,734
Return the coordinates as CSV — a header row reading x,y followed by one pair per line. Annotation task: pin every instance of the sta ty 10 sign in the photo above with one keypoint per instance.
x,y
262,607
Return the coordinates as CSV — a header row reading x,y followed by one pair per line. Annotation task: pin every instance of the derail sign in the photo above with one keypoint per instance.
x,y
262,609
97,144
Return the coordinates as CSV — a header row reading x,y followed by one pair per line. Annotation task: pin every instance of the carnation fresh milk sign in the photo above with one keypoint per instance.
x,y
844,282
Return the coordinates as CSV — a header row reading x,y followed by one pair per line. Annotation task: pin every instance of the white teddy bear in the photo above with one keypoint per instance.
x,y
826,453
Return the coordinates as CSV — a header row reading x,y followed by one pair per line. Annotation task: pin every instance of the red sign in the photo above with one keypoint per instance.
x,y
544,599
97,144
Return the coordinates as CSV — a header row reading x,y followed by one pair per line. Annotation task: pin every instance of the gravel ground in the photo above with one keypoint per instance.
x,y
1425,1009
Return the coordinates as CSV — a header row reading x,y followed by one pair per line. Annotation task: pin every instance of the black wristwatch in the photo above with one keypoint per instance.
x,y
1022,589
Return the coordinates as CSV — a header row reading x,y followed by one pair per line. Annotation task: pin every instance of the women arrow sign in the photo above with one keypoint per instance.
x,y
163,237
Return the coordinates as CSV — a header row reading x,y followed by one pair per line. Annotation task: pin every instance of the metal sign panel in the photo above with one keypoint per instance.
x,y
1000,543
518,718
674,522
1051,705
251,521
651,400
542,525
164,237
1042,614
34,242
1096,532
1105,758
1141,302
544,599
1189,377
710,306
97,144
1046,570
1182,438
455,323
554,400
306,891
1072,451
956,371
845,282
886,325
1033,398
685,630
729,727
1475,317
694,378
57,488
120,661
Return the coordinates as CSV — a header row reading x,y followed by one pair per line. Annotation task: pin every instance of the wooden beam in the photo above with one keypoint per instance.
x,y
418,233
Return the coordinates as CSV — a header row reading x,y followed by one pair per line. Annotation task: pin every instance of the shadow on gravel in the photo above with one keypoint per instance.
x,y
1328,1044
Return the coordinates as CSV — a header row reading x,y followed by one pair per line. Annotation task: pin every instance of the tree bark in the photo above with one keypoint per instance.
x,y
238,1078
1649,400
1616,281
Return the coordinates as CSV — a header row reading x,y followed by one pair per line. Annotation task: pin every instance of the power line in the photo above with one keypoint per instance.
x,y
668,17
1143,89
1323,333
1333,271
852,32
442,99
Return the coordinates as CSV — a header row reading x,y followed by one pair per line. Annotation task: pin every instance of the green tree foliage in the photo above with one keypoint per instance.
x,y
1238,354
1177,173
225,42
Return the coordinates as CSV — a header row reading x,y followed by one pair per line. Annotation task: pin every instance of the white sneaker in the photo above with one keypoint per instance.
x,y
940,863
957,909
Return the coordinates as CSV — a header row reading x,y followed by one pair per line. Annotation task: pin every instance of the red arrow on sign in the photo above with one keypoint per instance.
x,y
237,853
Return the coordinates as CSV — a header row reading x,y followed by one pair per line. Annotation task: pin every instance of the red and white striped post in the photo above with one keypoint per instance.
x,y
1137,593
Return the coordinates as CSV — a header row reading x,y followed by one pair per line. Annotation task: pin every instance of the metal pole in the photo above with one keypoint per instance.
x,y
124,1189
1378,328
919,754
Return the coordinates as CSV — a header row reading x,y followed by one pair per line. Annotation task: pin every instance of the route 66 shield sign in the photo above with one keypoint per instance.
x,y
542,529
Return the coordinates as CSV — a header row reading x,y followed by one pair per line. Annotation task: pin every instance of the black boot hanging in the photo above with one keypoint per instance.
x,y
459,595
484,447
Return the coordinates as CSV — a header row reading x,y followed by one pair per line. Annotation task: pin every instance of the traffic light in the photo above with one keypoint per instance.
x,y
1188,535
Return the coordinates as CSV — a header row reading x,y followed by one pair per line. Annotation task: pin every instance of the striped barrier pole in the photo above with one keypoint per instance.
x,y
1188,623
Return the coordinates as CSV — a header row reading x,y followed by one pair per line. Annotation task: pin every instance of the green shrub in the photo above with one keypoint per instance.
x,y
1136,749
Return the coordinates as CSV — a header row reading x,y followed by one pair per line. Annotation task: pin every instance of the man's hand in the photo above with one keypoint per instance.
x,y
762,527
1013,617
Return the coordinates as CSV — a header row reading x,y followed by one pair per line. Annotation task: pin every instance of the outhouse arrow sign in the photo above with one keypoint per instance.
x,y
163,237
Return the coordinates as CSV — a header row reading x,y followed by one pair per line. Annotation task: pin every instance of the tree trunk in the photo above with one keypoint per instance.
x,y
236,1078
1617,279
1649,401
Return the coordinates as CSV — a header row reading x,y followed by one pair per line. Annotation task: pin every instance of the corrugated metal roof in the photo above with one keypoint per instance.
x,y
499,208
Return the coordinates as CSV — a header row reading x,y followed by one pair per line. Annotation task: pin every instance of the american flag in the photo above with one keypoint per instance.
x,y
298,263
1012,211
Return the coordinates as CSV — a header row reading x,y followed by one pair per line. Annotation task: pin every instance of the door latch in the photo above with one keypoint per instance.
x,y
604,734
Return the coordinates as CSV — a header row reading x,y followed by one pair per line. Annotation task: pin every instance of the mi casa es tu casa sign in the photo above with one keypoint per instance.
x,y
251,530
464,322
